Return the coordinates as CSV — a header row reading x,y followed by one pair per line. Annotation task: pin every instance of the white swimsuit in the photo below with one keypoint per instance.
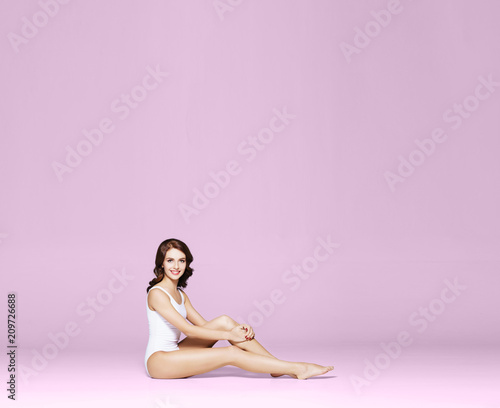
x,y
163,336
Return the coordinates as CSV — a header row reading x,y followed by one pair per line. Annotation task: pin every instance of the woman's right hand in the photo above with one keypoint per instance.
x,y
237,334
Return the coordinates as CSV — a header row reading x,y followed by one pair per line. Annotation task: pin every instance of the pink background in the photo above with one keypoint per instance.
x,y
323,175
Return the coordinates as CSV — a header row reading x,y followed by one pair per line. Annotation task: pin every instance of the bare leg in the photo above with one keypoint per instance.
x,y
188,362
225,323
252,345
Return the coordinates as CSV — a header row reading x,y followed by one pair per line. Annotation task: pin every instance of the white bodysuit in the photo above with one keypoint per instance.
x,y
163,336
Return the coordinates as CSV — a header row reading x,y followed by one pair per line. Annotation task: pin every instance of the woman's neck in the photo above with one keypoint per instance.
x,y
168,284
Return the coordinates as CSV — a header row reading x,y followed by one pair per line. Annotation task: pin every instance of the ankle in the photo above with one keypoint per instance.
x,y
299,369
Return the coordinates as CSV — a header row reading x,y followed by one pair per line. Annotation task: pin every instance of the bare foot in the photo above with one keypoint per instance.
x,y
307,370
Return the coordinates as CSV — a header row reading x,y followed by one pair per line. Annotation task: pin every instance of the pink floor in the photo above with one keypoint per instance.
x,y
418,377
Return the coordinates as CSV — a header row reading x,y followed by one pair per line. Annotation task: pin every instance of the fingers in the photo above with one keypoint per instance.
x,y
249,333
240,334
245,331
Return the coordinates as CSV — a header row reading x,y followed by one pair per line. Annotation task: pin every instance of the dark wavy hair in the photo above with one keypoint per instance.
x,y
160,257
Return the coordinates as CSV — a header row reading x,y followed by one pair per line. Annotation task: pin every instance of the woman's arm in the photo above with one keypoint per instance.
x,y
192,315
160,302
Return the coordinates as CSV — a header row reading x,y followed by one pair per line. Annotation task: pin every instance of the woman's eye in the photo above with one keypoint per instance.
x,y
183,261
169,260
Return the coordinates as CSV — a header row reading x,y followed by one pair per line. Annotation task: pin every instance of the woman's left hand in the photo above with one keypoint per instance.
x,y
249,334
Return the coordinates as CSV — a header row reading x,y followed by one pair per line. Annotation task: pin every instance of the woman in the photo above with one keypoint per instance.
x,y
168,307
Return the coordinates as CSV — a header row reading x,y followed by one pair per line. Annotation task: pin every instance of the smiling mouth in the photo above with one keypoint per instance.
x,y
175,272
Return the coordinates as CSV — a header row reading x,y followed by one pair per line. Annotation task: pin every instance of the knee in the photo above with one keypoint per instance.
x,y
226,322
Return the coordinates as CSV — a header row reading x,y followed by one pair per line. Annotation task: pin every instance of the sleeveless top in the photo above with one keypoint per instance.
x,y
162,334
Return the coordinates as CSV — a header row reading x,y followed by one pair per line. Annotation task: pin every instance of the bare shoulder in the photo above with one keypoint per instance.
x,y
157,299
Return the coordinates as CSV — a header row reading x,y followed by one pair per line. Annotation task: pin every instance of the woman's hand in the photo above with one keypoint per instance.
x,y
237,334
249,333
241,333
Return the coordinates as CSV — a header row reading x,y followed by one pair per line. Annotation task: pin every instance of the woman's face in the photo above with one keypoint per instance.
x,y
174,264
